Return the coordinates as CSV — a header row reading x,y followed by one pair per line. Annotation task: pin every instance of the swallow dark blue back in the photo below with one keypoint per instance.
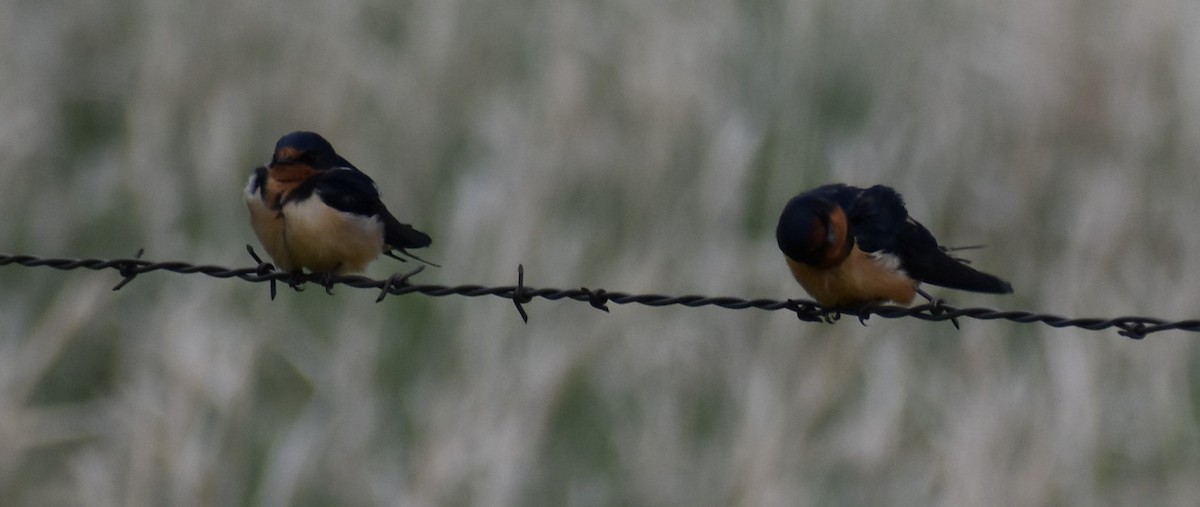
x,y
880,221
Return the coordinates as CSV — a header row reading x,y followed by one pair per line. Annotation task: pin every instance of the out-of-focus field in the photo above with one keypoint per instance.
x,y
641,146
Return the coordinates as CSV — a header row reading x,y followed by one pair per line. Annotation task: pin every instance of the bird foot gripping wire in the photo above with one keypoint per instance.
x,y
862,315
808,311
327,279
294,280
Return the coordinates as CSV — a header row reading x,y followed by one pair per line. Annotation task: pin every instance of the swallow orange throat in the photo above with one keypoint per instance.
x,y
288,173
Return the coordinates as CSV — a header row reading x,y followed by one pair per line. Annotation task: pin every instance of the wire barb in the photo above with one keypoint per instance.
x,y
519,297
1135,331
263,267
1132,327
936,305
597,298
128,269
396,281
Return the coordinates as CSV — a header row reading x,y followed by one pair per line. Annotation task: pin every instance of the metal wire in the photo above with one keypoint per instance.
x,y
520,294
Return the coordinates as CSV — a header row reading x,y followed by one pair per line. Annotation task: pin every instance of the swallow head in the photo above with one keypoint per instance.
x,y
306,149
813,230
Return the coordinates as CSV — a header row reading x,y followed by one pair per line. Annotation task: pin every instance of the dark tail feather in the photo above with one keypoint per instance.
x,y
398,236
945,271
406,253
401,235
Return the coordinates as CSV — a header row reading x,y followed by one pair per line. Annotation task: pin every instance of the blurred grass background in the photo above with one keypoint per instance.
x,y
630,145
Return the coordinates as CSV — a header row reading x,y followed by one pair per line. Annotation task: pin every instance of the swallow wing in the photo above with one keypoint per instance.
x,y
348,189
881,223
344,189
877,218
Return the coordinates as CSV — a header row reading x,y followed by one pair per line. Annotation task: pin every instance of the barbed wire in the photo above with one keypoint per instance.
x,y
520,294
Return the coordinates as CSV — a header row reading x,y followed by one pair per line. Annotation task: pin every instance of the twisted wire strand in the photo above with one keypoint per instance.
x,y
399,284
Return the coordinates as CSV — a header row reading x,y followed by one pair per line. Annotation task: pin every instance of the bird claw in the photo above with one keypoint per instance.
x,y
862,318
296,281
809,311
327,279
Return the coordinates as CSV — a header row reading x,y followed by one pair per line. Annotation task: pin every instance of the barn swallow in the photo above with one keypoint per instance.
x,y
850,247
311,209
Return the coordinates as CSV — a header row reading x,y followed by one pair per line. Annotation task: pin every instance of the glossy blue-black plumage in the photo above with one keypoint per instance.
x,y
342,186
309,148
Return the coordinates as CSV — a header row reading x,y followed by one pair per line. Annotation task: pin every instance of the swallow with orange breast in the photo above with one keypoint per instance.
x,y
311,209
850,247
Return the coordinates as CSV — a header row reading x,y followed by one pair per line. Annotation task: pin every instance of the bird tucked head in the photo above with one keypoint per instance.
x,y
309,149
813,230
